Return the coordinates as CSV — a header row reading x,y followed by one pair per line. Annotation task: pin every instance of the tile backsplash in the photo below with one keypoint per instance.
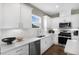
x,y
28,33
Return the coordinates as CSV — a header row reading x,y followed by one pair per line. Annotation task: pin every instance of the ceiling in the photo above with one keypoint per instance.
x,y
53,8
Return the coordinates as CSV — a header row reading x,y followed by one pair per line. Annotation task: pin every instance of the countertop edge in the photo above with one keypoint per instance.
x,y
24,43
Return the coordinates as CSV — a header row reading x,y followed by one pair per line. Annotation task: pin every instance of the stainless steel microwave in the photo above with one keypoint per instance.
x,y
65,25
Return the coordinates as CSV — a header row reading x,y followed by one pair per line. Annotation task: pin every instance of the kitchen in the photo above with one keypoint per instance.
x,y
35,28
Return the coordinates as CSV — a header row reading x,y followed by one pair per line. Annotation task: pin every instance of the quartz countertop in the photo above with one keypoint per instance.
x,y
5,47
72,47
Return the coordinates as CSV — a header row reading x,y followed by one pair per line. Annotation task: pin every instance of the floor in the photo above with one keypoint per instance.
x,y
55,50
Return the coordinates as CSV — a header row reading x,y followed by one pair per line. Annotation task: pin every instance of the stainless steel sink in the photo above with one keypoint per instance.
x,y
40,36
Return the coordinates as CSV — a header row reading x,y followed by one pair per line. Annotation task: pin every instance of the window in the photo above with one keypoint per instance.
x,y
36,21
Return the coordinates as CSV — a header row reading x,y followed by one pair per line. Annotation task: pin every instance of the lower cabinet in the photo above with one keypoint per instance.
x,y
43,46
34,48
46,43
22,50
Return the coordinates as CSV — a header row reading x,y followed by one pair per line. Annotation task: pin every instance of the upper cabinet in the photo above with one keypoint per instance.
x,y
75,21
26,16
11,15
0,15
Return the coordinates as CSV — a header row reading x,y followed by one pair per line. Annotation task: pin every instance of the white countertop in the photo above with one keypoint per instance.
x,y
5,47
72,47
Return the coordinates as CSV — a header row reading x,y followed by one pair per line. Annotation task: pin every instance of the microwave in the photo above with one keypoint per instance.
x,y
65,25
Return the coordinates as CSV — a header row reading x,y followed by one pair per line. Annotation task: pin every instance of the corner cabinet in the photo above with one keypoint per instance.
x,y
26,16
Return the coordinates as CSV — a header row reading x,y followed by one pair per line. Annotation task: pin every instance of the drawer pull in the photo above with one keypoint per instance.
x,y
19,50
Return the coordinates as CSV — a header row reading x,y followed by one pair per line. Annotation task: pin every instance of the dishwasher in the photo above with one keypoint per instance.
x,y
34,48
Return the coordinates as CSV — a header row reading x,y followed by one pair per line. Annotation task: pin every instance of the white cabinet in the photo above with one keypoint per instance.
x,y
11,15
26,16
1,15
46,43
43,45
22,50
75,21
50,42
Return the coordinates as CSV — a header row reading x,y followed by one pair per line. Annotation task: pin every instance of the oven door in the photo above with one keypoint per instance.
x,y
62,40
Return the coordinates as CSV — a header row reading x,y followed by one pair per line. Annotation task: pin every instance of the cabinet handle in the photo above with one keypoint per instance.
x,y
19,50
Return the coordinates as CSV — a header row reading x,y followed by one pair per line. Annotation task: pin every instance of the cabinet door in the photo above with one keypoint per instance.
x,y
11,15
75,21
46,43
1,15
50,41
26,16
22,50
43,45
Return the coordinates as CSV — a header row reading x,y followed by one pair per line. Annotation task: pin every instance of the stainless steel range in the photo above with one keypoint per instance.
x,y
63,37
65,32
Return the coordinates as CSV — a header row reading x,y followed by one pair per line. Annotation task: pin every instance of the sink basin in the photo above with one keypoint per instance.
x,y
8,40
40,36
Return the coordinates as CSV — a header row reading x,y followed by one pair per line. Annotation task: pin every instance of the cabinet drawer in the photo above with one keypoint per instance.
x,y
17,51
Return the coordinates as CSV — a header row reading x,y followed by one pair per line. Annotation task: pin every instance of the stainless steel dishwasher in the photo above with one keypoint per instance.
x,y
34,48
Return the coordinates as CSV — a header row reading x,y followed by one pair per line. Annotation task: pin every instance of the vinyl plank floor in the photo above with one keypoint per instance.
x,y
55,50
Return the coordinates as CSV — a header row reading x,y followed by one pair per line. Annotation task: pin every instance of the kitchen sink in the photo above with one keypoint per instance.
x,y
40,36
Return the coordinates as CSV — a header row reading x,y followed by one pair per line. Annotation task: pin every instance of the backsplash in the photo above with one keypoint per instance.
x,y
29,33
